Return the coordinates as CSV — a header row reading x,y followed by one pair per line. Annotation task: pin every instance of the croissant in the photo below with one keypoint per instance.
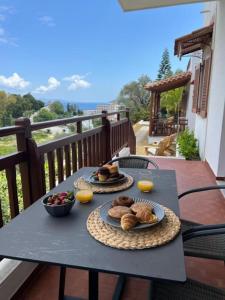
x,y
145,216
128,221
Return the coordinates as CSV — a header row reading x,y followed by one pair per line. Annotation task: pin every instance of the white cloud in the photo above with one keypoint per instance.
x,y
47,20
53,83
2,18
5,37
14,81
77,82
2,31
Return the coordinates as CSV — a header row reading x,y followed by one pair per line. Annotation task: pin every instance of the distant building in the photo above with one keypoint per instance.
x,y
110,107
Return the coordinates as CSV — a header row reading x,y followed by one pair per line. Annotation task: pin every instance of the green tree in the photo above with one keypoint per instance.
x,y
134,96
165,70
57,108
171,100
44,115
71,109
5,115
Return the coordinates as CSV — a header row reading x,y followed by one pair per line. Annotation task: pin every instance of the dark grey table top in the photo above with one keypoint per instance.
x,y
36,236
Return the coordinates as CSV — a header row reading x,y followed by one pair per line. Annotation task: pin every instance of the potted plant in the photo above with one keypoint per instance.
x,y
187,145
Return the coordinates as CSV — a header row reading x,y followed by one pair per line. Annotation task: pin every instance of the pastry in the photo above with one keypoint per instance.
x,y
128,221
117,212
123,201
141,206
113,169
103,174
146,216
108,166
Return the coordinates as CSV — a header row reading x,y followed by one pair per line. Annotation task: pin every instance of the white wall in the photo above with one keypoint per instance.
x,y
215,138
210,131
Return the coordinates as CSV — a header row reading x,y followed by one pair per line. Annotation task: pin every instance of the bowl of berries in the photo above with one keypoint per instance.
x,y
60,204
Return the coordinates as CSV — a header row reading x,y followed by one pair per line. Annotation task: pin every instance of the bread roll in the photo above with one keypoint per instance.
x,y
118,211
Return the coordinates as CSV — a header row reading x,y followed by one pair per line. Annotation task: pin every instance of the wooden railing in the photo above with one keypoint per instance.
x,y
42,167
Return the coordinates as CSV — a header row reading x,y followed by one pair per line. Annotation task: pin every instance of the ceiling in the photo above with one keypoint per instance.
x,y
144,4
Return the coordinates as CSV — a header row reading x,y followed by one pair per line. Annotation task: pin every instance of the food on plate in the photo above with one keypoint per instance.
x,y
128,221
123,201
141,206
117,212
107,172
103,174
60,198
146,216
113,170
130,213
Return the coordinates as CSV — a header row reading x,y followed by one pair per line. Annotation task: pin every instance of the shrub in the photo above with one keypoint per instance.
x,y
187,145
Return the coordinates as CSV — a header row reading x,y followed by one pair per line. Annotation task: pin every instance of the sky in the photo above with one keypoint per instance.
x,y
85,51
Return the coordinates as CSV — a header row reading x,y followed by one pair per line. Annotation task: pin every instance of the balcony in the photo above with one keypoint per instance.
x,y
207,207
57,160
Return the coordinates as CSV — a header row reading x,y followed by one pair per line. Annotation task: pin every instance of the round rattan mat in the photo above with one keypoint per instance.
x,y
80,183
150,237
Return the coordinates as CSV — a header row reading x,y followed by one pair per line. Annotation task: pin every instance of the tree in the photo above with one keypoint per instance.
x,y
57,108
44,115
171,100
5,101
134,96
165,67
71,109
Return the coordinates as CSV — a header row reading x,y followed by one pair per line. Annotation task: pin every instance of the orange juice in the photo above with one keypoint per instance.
x,y
84,196
145,185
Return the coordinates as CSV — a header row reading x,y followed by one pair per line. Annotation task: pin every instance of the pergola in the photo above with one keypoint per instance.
x,y
158,87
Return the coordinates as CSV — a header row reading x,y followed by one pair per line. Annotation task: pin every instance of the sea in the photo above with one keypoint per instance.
x,y
81,105
88,105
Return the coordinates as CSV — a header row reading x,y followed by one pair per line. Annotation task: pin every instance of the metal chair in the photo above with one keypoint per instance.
x,y
204,246
191,289
134,162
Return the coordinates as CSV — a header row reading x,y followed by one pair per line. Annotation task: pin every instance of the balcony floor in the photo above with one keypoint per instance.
x,y
211,204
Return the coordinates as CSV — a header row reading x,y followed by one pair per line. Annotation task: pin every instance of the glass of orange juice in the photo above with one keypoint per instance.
x,y
145,185
83,192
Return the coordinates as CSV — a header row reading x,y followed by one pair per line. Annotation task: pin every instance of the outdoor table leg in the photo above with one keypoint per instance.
x,y
93,285
120,285
62,277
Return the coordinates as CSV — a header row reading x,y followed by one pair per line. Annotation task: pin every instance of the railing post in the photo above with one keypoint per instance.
x,y
21,139
106,143
31,173
131,135
79,130
128,113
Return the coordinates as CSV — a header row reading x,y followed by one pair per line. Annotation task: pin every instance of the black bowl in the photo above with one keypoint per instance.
x,y
58,210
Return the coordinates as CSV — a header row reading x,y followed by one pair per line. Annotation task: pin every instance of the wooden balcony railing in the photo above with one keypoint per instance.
x,y
41,167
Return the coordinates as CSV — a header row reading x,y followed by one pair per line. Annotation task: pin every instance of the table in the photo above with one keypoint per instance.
x,y
37,237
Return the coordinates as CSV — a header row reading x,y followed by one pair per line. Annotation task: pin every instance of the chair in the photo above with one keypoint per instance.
x,y
161,148
191,289
134,162
204,246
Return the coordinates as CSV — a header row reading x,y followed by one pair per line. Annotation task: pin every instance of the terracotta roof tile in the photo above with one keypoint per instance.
x,y
170,83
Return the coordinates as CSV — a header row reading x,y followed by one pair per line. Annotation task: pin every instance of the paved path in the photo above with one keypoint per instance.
x,y
141,135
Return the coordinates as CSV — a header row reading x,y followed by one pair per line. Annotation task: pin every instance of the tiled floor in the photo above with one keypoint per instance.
x,y
206,207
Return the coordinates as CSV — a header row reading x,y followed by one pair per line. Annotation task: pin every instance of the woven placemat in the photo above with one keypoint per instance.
x,y
155,236
101,189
